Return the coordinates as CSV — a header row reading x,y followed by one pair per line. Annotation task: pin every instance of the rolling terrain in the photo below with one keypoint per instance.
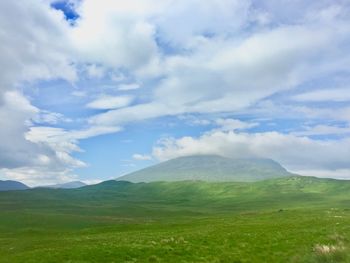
x,y
291,219
210,168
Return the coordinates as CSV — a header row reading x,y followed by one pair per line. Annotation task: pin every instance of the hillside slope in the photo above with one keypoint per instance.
x,y
290,191
277,220
210,168
12,185
123,197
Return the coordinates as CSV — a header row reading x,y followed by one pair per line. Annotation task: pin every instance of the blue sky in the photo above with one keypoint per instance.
x,y
90,91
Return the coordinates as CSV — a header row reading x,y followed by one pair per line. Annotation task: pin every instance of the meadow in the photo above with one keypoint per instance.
x,y
295,219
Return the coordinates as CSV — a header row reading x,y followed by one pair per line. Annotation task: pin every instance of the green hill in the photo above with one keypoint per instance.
x,y
210,168
291,219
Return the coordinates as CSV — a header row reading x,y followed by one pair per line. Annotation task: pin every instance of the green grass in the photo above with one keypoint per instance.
x,y
297,219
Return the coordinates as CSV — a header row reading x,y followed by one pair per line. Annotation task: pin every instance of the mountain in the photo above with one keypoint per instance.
x,y
70,185
211,168
12,185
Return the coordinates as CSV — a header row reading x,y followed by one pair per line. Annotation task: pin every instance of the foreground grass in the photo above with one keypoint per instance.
x,y
290,220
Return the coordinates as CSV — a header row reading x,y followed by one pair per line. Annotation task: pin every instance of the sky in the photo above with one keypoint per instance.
x,y
91,90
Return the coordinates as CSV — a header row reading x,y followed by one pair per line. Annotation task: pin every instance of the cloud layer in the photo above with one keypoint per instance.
x,y
298,154
119,63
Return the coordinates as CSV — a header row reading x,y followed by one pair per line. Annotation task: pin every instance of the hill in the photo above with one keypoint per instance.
x,y
289,219
291,191
210,168
69,185
12,185
122,197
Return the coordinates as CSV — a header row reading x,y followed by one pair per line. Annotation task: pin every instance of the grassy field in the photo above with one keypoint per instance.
x,y
297,219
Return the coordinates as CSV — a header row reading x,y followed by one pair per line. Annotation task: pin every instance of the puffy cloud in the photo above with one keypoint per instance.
x,y
26,157
230,74
298,154
15,113
115,33
37,155
126,34
64,141
34,46
34,43
57,165
226,76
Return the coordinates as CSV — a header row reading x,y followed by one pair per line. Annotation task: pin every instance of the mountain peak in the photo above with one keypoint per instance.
x,y
213,168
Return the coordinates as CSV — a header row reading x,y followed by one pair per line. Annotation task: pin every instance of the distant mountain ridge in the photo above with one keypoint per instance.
x,y
210,168
12,185
69,185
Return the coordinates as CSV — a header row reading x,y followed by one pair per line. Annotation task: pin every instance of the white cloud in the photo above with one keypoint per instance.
x,y
49,160
49,117
94,131
224,124
335,94
110,102
227,75
321,113
114,33
28,157
59,138
39,176
15,114
34,43
125,87
178,25
95,71
194,120
123,34
34,46
275,109
142,157
37,155
298,154
133,113
233,125
323,130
